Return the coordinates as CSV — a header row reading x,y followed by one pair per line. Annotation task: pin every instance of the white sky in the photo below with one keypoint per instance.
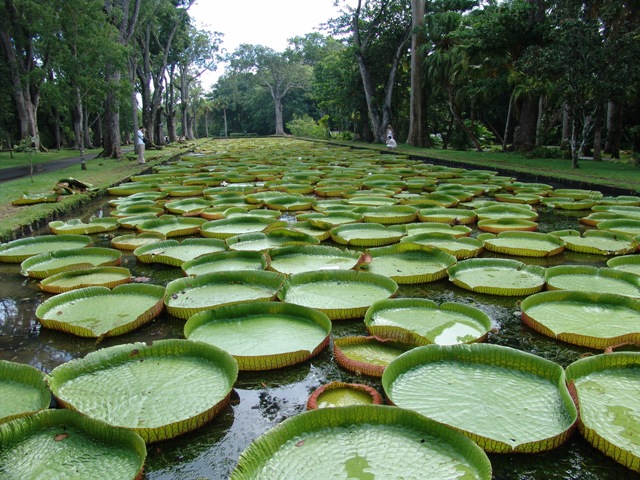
x,y
260,22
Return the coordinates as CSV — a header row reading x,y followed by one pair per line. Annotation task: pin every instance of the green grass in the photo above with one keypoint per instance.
x,y
21,158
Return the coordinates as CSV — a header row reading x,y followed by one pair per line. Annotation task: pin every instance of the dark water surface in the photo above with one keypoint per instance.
x,y
261,400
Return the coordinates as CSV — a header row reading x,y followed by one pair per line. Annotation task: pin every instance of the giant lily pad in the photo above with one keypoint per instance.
x,y
23,391
624,225
174,253
19,250
496,276
229,227
65,444
262,335
367,355
524,244
626,263
132,241
367,234
163,390
592,279
422,322
188,296
341,394
109,277
524,401
598,242
278,237
388,215
606,388
101,312
326,221
171,226
47,264
590,319
435,227
75,226
227,260
459,247
504,210
358,439
452,216
307,258
497,225
340,294
408,263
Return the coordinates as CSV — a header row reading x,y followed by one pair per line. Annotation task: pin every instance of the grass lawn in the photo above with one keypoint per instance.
x,y
15,221
18,159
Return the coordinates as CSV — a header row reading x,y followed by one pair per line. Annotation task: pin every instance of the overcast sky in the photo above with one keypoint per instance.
x,y
260,22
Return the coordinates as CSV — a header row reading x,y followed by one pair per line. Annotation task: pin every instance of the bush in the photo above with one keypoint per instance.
x,y
305,126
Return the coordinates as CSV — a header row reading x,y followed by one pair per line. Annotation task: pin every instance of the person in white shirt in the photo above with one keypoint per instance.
x,y
140,144
391,143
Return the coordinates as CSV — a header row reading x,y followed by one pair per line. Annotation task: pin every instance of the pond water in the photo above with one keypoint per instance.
x,y
261,400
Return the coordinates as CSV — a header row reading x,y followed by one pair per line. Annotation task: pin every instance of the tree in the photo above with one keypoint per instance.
x,y
380,32
278,73
418,131
123,14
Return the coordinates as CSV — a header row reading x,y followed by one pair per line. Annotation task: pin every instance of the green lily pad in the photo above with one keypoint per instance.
x,y
598,242
409,263
299,447
262,335
109,277
341,394
132,210
171,226
606,389
76,226
459,247
164,389
326,221
496,276
421,322
497,225
589,319
388,214
519,198
626,263
100,312
230,227
340,294
46,264
65,444
290,203
308,258
367,355
19,250
175,253
627,226
524,400
133,241
567,203
588,278
187,205
187,296
367,234
23,391
226,261
33,198
452,216
436,227
503,210
524,244
277,237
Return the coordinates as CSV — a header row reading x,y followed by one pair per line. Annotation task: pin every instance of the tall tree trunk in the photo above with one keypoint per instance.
x,y
564,141
525,135
597,134
78,120
124,15
85,127
542,102
456,115
507,124
614,129
418,132
277,101
574,140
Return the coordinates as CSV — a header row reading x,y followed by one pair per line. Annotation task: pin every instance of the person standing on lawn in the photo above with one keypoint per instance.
x,y
140,144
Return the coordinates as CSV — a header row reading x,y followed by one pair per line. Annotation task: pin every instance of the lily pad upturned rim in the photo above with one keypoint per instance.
x,y
78,227
262,278
392,234
310,250
597,299
503,288
28,376
252,460
259,257
147,253
358,366
556,244
10,251
71,422
629,278
601,363
136,352
154,291
339,313
244,310
49,284
403,335
312,401
496,356
111,257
